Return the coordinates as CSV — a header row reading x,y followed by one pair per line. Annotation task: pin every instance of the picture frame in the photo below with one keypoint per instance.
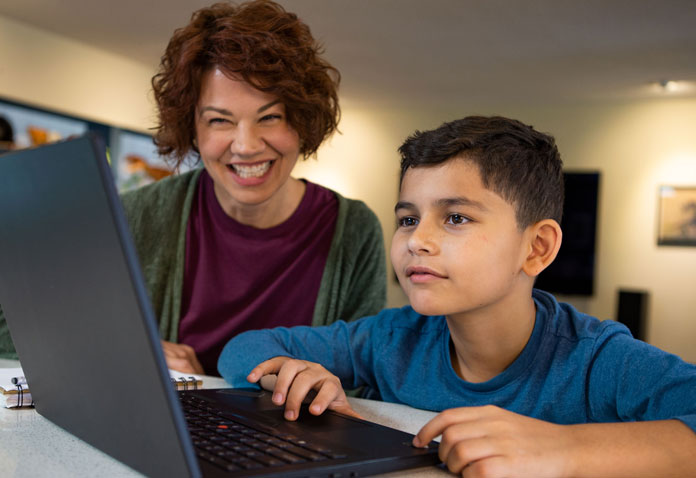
x,y
677,216
133,155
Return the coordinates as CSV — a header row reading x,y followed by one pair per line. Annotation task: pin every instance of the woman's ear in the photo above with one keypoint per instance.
x,y
544,242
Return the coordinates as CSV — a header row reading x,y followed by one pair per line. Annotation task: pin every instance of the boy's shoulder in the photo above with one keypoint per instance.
x,y
566,322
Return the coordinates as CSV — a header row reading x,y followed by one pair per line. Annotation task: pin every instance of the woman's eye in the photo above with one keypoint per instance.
x,y
407,221
457,219
271,117
212,121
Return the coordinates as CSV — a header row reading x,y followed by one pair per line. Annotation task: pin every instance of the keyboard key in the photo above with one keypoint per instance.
x,y
304,453
288,457
233,446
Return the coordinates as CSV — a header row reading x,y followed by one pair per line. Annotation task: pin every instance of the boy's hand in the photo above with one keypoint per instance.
x,y
490,441
295,379
182,358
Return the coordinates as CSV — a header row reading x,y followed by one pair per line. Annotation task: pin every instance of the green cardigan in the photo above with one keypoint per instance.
x,y
353,284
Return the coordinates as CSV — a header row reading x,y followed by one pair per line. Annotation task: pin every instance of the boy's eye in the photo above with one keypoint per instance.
x,y
407,221
457,219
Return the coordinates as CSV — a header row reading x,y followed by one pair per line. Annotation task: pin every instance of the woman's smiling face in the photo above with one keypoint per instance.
x,y
245,141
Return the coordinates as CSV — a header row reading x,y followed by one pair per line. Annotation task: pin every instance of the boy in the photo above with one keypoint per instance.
x,y
528,386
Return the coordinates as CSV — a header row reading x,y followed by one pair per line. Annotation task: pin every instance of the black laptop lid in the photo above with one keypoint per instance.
x,y
65,256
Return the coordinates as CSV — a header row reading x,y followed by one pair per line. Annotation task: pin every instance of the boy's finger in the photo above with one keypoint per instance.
x,y
346,409
268,382
438,424
303,383
464,453
429,431
267,367
328,393
287,381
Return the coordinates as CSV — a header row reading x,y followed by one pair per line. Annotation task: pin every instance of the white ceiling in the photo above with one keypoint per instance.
x,y
435,51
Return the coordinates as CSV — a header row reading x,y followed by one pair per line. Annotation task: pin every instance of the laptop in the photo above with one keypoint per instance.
x,y
75,301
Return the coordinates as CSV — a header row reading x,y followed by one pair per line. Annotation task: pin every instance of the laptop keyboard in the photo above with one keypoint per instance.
x,y
234,446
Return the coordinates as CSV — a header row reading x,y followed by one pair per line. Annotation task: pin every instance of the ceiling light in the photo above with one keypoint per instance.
x,y
669,86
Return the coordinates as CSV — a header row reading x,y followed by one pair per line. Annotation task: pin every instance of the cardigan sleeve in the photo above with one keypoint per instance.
x,y
354,281
157,215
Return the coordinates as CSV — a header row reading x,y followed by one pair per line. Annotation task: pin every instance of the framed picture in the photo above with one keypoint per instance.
x,y
133,156
677,216
33,127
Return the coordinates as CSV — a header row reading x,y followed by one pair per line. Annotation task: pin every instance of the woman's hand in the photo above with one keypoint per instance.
x,y
182,358
295,380
490,441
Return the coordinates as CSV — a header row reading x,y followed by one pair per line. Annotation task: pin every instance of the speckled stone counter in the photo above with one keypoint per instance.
x,y
33,447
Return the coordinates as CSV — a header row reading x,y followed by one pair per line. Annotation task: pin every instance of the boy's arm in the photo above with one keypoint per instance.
x,y
323,359
640,398
344,349
490,441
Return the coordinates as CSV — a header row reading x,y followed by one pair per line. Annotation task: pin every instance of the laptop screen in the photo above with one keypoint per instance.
x,y
77,309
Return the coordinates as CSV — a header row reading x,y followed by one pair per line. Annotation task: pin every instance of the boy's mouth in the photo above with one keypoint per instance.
x,y
417,272
255,170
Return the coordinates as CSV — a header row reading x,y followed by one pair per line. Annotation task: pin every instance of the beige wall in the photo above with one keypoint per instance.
x,y
46,70
637,146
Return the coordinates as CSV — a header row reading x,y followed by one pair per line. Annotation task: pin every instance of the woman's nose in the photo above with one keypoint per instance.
x,y
247,141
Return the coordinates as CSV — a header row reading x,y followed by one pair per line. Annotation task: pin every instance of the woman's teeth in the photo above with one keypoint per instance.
x,y
251,171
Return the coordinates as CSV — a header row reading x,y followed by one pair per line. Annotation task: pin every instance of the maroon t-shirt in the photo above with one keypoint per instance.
x,y
239,278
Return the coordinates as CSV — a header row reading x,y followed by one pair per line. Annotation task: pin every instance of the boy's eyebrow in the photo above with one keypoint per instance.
x,y
461,201
404,205
226,112
444,203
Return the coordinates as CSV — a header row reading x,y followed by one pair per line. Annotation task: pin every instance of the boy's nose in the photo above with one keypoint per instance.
x,y
422,240
246,141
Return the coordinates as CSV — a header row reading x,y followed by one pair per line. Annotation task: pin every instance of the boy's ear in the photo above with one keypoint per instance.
x,y
544,242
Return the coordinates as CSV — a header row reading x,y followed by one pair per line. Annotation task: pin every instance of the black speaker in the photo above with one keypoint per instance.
x,y
632,311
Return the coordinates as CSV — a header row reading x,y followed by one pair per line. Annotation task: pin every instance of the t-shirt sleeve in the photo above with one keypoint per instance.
x,y
630,380
345,349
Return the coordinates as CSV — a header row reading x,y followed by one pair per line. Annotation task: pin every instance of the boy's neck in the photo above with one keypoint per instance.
x,y
484,343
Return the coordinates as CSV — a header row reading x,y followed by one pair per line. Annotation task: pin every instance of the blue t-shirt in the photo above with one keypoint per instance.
x,y
574,369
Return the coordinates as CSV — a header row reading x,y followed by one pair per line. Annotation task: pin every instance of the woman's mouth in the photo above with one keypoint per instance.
x,y
255,170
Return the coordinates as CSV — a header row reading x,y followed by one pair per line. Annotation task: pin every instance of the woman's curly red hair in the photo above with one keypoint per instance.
x,y
260,42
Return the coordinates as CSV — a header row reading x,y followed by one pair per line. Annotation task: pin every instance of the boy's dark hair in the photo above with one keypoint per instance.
x,y
520,164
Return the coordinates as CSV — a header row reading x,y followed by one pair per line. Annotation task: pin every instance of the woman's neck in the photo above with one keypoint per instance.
x,y
272,212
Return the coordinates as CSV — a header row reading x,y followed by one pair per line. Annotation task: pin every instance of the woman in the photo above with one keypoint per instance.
x,y
240,244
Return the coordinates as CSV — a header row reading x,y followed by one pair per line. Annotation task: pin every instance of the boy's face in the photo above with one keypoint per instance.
x,y
457,247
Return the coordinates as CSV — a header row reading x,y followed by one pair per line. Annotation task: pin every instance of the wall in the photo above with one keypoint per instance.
x,y
46,70
637,146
